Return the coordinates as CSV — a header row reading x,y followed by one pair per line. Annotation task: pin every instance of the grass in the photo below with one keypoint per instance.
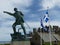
x,y
47,43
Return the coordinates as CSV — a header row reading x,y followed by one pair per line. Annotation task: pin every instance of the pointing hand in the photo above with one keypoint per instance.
x,y
4,11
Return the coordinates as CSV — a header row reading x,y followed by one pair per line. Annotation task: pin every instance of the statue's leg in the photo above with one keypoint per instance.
x,y
23,29
14,27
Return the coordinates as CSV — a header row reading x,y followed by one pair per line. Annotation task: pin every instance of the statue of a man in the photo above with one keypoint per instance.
x,y
19,19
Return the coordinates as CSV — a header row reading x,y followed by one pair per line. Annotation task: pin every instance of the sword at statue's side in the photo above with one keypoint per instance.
x,y
27,25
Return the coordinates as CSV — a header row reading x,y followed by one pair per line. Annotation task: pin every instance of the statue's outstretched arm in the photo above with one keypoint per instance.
x,y
8,12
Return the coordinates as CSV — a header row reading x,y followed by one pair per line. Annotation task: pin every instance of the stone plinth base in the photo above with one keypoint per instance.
x,y
20,43
17,37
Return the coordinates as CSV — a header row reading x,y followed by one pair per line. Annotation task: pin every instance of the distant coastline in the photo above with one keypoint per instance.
x,y
5,42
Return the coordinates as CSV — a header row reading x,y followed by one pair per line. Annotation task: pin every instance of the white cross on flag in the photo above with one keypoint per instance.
x,y
46,17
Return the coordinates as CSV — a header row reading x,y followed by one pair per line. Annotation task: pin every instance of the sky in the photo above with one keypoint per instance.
x,y
33,11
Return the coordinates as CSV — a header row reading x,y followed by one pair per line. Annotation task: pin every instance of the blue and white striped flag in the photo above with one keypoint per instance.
x,y
42,24
46,17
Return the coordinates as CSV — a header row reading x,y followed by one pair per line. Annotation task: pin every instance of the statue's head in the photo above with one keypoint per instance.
x,y
15,9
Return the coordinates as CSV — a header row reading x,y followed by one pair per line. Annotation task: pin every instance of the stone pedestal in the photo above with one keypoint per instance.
x,y
18,39
20,43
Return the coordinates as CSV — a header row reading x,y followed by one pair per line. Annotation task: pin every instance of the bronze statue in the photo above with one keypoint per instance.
x,y
19,19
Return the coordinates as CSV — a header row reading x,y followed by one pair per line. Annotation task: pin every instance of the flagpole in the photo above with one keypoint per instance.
x,y
50,35
49,29
41,32
41,37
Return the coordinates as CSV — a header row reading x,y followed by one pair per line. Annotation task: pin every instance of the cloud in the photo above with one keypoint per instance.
x,y
24,3
6,20
50,3
5,37
8,5
6,31
5,5
57,23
